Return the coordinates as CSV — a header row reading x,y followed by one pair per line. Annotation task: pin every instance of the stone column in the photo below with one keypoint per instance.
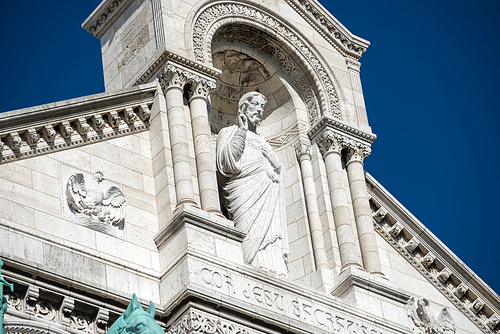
x,y
330,146
303,151
357,152
172,81
205,160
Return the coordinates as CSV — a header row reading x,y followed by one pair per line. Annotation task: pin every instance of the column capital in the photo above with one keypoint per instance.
x,y
303,149
200,88
330,141
357,151
177,76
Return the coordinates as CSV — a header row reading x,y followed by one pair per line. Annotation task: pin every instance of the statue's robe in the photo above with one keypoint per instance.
x,y
254,198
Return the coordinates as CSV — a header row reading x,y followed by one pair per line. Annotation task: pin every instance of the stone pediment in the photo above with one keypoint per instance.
x,y
432,259
75,122
348,44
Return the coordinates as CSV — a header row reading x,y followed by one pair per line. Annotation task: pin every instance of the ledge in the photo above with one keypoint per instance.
x,y
188,214
324,122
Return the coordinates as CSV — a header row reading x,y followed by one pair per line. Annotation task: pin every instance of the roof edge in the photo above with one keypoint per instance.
x,y
432,258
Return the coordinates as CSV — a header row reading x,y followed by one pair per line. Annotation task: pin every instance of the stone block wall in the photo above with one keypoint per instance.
x,y
39,232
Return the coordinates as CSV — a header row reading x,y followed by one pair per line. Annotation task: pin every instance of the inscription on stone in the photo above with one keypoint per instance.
x,y
284,302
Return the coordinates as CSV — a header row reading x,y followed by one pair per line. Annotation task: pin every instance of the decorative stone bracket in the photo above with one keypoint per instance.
x,y
73,131
433,267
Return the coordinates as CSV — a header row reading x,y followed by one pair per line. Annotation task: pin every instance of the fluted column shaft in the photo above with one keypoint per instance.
x,y
330,146
173,81
361,205
303,150
205,161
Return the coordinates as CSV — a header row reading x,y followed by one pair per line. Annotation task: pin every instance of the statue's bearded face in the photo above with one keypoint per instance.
x,y
255,109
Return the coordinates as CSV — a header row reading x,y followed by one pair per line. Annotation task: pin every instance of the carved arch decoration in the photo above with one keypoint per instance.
x,y
320,101
32,327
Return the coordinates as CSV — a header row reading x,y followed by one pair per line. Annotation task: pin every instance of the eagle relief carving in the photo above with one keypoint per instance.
x,y
424,323
94,208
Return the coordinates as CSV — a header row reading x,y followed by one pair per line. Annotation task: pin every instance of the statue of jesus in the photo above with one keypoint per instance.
x,y
253,187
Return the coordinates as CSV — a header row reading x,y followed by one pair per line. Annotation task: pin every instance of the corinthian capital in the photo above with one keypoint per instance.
x,y
173,76
357,151
201,88
303,149
330,141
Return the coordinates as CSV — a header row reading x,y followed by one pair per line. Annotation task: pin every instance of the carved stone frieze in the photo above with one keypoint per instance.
x,y
38,139
206,25
81,322
15,301
201,323
280,140
45,310
105,16
326,26
441,280
166,56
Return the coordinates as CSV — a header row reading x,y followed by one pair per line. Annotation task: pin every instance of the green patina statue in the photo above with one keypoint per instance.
x,y
3,299
136,321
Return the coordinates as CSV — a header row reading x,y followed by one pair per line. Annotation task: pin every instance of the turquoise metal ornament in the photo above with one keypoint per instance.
x,y
136,321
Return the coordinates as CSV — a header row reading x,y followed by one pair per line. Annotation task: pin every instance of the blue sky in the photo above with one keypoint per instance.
x,y
430,83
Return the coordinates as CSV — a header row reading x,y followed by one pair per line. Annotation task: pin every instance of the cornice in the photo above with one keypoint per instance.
x,y
104,16
349,131
330,28
433,259
75,122
185,62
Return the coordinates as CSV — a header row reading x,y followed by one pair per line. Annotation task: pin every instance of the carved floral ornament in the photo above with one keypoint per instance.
x,y
177,76
330,141
216,15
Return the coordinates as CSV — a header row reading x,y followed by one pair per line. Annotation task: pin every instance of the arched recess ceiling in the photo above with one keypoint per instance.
x,y
245,68
267,32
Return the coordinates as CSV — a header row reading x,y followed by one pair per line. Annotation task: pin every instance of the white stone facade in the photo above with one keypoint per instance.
x,y
174,71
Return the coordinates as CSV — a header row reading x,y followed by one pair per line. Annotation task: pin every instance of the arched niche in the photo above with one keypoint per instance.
x,y
271,34
245,68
